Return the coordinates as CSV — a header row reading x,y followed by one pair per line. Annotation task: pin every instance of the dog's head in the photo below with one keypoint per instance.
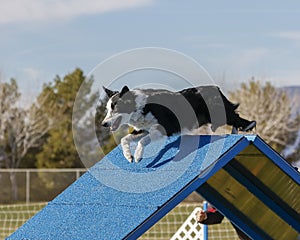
x,y
119,108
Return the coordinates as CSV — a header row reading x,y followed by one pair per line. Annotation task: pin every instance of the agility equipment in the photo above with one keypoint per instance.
x,y
243,177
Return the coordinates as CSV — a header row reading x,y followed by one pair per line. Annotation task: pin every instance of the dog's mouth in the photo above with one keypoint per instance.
x,y
116,124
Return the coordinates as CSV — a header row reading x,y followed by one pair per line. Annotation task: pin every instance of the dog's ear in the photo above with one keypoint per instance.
x,y
108,92
124,90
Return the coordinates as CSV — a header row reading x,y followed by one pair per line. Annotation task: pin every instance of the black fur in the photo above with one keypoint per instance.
x,y
109,93
205,101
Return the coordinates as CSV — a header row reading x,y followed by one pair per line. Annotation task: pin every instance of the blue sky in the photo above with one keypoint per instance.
x,y
233,40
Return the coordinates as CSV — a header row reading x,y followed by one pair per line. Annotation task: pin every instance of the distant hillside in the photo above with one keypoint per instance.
x,y
293,89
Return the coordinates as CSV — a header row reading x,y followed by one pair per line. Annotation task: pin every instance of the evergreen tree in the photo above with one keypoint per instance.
x,y
59,150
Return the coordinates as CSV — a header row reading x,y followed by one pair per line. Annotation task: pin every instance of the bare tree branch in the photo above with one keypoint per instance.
x,y
271,108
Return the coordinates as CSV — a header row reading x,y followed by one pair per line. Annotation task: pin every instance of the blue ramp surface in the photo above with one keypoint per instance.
x,y
116,199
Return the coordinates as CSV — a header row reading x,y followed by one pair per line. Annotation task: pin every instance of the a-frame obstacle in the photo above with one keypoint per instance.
x,y
239,174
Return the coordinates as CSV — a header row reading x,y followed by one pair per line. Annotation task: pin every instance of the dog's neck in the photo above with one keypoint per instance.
x,y
139,121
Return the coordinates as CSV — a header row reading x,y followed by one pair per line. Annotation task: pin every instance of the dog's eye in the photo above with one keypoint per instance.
x,y
112,106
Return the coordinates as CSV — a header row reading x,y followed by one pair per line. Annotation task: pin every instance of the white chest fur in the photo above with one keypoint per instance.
x,y
140,121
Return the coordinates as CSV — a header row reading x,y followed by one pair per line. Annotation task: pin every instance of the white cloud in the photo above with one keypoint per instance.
x,y
248,58
40,10
262,63
32,73
289,35
30,80
286,78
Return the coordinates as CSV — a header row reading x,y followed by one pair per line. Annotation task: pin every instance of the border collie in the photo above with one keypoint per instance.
x,y
154,113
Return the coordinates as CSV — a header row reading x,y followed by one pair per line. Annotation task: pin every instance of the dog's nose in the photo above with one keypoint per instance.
x,y
105,124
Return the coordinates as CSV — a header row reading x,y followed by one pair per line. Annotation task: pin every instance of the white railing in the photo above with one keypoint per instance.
x,y
29,179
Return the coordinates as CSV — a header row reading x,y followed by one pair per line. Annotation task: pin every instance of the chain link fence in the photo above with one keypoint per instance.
x,y
35,185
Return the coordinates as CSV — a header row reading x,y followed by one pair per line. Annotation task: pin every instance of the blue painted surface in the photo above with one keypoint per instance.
x,y
116,197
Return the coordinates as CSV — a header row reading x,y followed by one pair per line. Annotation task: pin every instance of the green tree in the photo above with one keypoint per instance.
x,y
59,150
271,108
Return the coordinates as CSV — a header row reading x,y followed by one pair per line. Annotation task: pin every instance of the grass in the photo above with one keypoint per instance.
x,y
13,216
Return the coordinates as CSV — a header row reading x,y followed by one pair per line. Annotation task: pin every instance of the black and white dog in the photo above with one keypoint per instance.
x,y
154,113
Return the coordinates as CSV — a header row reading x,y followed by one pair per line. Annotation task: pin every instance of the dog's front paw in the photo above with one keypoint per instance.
x,y
128,157
138,154
137,159
126,149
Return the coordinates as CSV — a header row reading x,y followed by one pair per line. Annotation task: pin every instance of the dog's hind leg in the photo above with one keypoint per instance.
x,y
248,126
125,142
155,133
240,123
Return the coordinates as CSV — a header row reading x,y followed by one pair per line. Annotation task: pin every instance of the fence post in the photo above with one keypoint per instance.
x,y
205,227
77,174
27,186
